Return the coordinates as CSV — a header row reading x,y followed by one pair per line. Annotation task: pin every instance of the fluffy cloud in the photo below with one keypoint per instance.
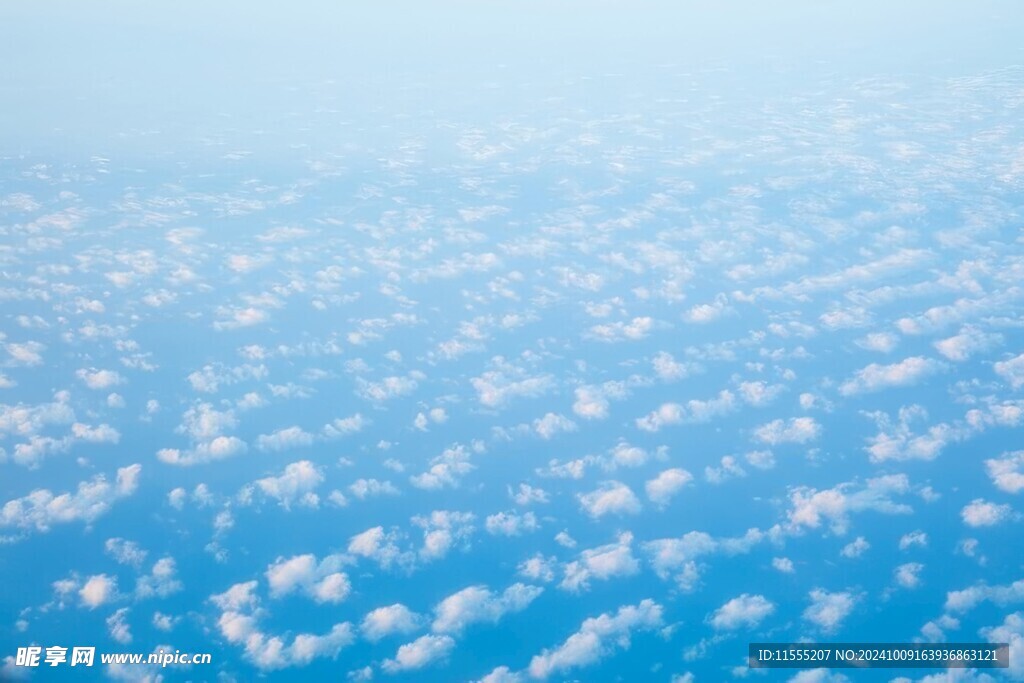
x,y
42,509
635,329
446,470
160,582
421,652
386,621
344,426
968,342
511,524
908,575
692,412
742,611
295,485
1012,371
443,529
1007,471
598,637
811,507
610,498
320,581
794,430
477,604
99,379
662,488
964,600
381,547
875,377
505,382
98,590
980,512
679,558
593,401
855,548
284,439
371,488
827,610
239,624
205,427
601,563
552,424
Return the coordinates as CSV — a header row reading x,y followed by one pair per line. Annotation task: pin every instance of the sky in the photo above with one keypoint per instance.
x,y
509,342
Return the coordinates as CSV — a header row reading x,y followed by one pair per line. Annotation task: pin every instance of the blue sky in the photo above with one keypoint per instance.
x,y
495,342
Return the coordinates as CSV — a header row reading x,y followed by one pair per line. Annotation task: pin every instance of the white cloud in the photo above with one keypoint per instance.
x,y
1007,471
855,548
668,369
635,329
794,430
511,524
160,582
117,626
527,495
967,599
827,610
125,552
385,621
908,575
1012,371
446,470
593,401
501,674
386,389
914,538
205,427
239,624
898,441
601,563
875,377
217,448
99,379
442,529
883,342
968,342
980,512
284,439
742,611
505,382
27,353
706,313
727,469
477,604
419,653
381,547
538,568
321,581
811,507
343,426
41,509
552,424
759,393
98,590
693,412
783,564
371,488
678,558
611,497
598,637
662,488
295,485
